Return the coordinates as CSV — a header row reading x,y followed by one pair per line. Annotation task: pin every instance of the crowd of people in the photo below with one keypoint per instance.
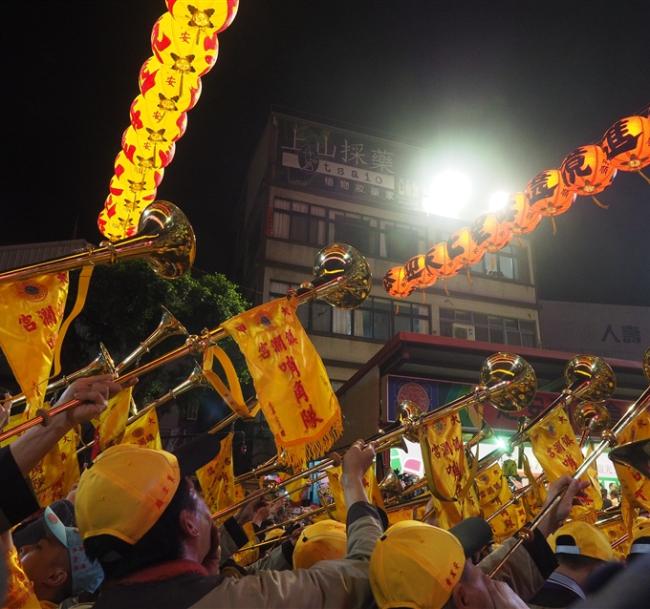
x,y
136,534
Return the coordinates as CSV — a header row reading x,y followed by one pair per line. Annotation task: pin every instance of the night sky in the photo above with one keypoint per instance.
x,y
499,89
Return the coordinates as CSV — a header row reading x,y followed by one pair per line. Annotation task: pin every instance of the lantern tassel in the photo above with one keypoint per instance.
x,y
601,205
469,276
444,286
644,176
553,225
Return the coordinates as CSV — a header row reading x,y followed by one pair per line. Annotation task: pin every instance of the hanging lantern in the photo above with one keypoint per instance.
x,y
116,224
189,51
489,232
547,195
518,213
160,126
395,282
440,263
133,177
462,247
204,15
587,171
418,274
145,149
627,143
169,92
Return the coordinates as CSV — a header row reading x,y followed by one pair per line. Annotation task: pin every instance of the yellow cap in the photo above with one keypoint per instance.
x,y
415,565
586,540
125,492
323,540
274,534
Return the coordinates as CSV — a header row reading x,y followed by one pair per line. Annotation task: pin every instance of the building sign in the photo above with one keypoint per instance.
x,y
430,395
343,163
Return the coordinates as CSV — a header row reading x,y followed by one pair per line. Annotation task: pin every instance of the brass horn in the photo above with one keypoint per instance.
x,y
102,364
352,278
591,418
165,240
587,377
391,484
274,464
168,326
634,454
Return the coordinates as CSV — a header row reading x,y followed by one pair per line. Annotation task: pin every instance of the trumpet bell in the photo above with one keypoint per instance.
x,y
646,363
391,484
509,380
174,247
635,454
591,416
340,259
589,378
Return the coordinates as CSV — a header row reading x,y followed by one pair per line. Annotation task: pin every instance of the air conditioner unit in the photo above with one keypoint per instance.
x,y
464,331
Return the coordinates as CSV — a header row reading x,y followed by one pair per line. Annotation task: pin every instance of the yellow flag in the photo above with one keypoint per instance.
x,y
558,452
294,489
112,422
340,509
55,474
290,379
20,591
615,531
399,515
445,466
247,557
30,316
217,478
634,486
144,432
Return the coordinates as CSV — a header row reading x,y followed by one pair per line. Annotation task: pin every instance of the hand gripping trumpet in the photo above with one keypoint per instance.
x,y
342,278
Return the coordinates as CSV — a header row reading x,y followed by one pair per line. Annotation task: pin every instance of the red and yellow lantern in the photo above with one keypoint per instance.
x,y
440,263
627,143
169,92
547,195
204,15
587,170
418,274
520,215
395,282
462,247
491,233
146,149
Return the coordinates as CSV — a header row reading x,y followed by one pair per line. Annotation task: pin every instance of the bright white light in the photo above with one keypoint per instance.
x,y
447,194
498,200
502,443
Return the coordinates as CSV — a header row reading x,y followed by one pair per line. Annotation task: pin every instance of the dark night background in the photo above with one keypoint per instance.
x,y
505,88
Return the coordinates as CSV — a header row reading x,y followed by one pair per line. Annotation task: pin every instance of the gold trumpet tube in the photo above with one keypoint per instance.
x,y
516,497
263,544
272,465
102,364
415,502
344,271
168,326
298,518
609,439
165,240
587,377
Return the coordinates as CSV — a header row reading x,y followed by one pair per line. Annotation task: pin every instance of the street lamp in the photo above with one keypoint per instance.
x,y
447,194
498,200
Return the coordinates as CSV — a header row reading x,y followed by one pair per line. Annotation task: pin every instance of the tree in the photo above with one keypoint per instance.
x,y
123,308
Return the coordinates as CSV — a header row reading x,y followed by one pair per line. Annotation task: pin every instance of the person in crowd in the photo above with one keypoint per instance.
x,y
53,568
580,548
154,536
22,455
419,565
606,501
323,540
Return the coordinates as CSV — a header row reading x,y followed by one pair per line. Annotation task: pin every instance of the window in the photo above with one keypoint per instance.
x,y
376,318
510,262
491,328
315,225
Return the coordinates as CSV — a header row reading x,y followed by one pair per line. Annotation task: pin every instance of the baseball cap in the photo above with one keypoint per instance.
x,y
35,530
418,565
323,540
640,538
125,492
86,575
581,539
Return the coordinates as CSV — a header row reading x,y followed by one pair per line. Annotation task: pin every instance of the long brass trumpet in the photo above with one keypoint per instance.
x,y
274,464
165,240
340,269
609,439
167,326
587,378
102,364
507,382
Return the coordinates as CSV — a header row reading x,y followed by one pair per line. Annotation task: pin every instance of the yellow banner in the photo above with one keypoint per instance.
x,y
290,379
30,316
373,492
20,591
634,486
558,452
112,422
55,474
144,432
445,466
217,478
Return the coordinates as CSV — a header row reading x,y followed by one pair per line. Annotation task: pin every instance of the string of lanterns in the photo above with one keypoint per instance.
x,y
185,48
587,171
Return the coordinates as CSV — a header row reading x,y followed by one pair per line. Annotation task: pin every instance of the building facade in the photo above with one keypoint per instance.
x,y
311,184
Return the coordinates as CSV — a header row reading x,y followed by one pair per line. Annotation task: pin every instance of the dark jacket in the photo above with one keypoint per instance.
x,y
17,500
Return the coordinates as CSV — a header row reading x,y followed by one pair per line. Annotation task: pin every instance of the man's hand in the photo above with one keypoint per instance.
x,y
5,410
357,459
503,596
94,393
248,512
560,512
